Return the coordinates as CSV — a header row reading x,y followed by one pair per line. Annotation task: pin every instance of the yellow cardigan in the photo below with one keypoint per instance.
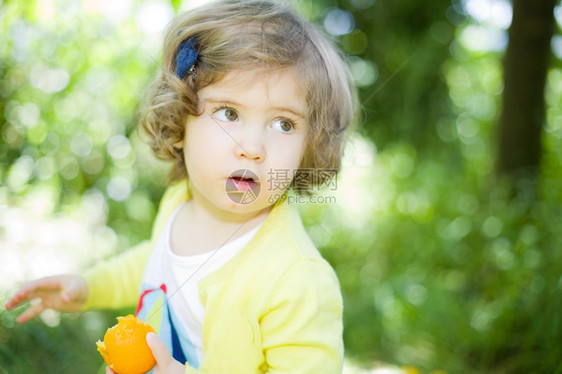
x,y
276,307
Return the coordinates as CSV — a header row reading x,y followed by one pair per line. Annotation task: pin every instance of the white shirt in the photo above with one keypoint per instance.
x,y
180,276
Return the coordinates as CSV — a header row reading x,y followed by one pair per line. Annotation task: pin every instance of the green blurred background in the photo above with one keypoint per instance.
x,y
449,261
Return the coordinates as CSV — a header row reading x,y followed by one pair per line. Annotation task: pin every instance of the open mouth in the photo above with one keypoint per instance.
x,y
242,183
243,186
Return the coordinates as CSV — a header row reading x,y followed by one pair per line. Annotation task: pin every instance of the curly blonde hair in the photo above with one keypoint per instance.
x,y
252,35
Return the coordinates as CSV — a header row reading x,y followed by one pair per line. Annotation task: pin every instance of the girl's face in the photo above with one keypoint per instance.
x,y
242,152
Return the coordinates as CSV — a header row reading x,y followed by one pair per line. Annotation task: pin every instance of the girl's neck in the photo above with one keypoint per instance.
x,y
203,210
224,223
198,228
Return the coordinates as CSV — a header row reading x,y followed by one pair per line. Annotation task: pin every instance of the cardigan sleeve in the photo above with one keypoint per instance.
x,y
302,330
115,283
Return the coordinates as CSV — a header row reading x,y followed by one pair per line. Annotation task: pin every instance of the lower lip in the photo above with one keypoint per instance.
x,y
240,185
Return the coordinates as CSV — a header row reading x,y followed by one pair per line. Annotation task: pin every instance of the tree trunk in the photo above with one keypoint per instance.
x,y
525,65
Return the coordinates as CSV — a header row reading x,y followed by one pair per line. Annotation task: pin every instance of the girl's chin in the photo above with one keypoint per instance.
x,y
248,206
238,204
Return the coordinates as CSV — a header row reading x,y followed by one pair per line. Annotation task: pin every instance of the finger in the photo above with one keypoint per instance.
x,y
51,283
159,350
19,298
108,370
35,309
68,294
32,289
74,290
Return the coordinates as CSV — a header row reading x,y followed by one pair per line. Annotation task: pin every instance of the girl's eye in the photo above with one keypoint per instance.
x,y
226,114
283,125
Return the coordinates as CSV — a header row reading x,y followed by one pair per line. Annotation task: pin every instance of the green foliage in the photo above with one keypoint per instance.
x,y
452,276
51,345
71,79
406,42
71,83
444,266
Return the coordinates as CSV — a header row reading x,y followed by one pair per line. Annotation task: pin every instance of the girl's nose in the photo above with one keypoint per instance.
x,y
250,146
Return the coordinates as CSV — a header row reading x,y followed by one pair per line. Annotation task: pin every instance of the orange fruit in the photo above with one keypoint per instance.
x,y
410,370
124,348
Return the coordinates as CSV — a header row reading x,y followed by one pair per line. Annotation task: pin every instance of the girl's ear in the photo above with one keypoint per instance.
x,y
178,145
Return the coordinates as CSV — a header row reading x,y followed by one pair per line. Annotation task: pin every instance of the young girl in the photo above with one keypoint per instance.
x,y
248,94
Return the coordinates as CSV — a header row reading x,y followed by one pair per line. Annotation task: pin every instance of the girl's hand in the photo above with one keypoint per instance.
x,y
165,363
65,293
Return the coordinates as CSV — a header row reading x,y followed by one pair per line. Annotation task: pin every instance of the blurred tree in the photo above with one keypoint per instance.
x,y
409,43
525,66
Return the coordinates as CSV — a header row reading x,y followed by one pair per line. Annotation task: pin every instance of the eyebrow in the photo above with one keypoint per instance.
x,y
235,103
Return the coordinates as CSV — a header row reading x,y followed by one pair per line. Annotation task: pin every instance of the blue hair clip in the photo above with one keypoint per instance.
x,y
186,57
